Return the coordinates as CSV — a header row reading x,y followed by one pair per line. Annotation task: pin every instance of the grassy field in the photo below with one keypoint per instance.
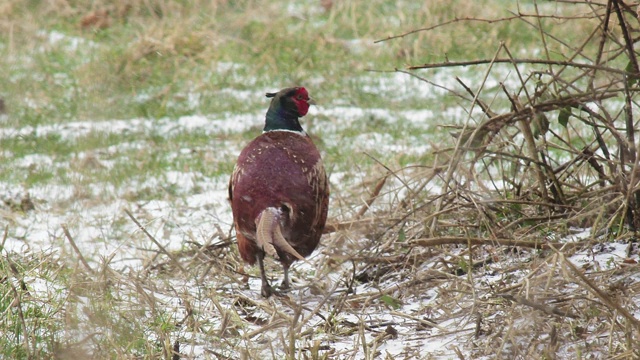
x,y
129,114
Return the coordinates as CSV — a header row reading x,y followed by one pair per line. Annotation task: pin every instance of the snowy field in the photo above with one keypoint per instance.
x,y
347,302
117,237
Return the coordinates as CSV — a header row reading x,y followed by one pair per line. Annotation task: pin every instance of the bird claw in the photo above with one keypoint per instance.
x,y
266,290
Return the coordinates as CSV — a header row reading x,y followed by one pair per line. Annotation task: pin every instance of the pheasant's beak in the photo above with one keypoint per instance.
x,y
311,101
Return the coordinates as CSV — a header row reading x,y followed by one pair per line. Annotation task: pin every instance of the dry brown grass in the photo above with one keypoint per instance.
x,y
556,151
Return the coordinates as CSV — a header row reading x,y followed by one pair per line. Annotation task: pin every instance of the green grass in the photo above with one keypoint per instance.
x,y
156,56
30,312
97,74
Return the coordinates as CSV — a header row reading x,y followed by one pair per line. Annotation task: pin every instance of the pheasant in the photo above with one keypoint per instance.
x,y
279,191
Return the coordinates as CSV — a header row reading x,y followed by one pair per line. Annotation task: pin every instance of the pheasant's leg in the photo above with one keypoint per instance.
x,y
266,288
285,282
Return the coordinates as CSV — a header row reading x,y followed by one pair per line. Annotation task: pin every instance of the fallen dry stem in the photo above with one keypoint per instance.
x,y
492,242
142,228
4,236
372,198
594,289
550,310
75,249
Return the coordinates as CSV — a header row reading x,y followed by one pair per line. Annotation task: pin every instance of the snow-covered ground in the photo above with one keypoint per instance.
x,y
359,296
417,311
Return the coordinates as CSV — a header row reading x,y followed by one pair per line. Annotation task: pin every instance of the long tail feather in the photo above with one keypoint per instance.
x,y
283,244
269,235
264,231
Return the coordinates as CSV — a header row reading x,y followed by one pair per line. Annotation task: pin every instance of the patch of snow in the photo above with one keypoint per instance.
x,y
604,256
70,43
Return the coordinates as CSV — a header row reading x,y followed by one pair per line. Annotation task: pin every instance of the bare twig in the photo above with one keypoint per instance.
x,y
501,242
173,259
594,289
519,61
372,198
352,224
75,248
550,310
471,19
627,38
457,157
4,236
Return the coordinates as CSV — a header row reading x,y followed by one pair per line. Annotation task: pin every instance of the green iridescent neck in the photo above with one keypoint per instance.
x,y
280,118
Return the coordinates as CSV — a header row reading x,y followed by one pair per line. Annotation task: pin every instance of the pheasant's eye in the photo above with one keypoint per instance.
x,y
299,97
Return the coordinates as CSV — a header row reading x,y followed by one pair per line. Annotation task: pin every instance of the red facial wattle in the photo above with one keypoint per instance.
x,y
301,99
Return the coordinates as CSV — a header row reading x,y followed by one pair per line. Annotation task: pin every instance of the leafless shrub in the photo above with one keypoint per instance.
x,y
535,159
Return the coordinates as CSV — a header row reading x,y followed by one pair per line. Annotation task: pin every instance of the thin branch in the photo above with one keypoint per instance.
x,y
627,38
603,40
470,19
162,249
457,157
485,108
390,172
594,289
550,310
451,240
4,236
519,61
372,198
75,248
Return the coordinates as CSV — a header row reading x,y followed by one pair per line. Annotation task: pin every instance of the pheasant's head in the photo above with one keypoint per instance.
x,y
287,106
